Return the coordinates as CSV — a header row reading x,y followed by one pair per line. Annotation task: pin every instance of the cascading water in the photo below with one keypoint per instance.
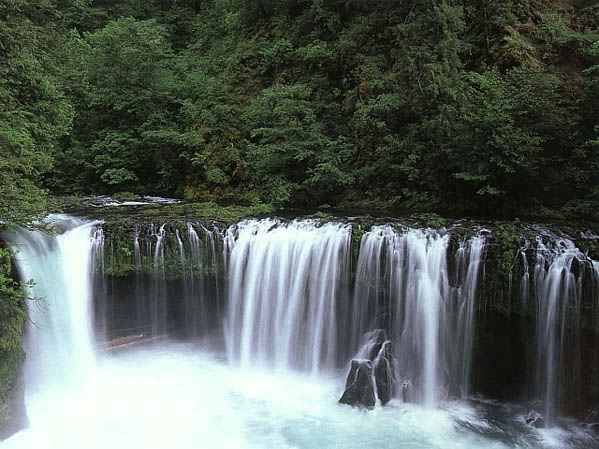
x,y
193,294
525,280
59,339
158,304
201,263
419,310
557,294
470,261
290,304
285,281
176,271
406,274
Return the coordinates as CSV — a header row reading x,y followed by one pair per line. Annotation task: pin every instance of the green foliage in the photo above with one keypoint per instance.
x,y
34,113
12,314
508,241
212,211
12,318
290,153
481,107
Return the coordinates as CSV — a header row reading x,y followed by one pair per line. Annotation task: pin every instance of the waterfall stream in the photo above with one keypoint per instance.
x,y
272,303
285,284
59,340
402,282
558,292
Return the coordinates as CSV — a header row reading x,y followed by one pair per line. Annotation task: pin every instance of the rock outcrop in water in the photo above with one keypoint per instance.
x,y
383,373
372,343
359,386
375,358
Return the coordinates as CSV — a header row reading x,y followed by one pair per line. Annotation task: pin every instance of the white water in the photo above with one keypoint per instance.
x,y
182,397
284,285
426,288
471,254
59,332
556,290
432,323
177,398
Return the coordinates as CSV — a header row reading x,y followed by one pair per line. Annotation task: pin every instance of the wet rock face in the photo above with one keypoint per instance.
x,y
372,342
372,373
383,373
359,386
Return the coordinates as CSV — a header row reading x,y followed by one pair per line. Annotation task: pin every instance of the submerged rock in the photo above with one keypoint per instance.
x,y
359,386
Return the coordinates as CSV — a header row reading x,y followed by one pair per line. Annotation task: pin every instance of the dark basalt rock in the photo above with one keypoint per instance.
x,y
383,373
359,386
535,419
375,360
372,343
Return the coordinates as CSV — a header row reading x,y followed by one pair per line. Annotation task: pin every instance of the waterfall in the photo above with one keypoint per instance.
x,y
194,288
471,254
402,283
288,306
193,303
285,281
525,280
158,299
59,339
160,281
557,291
415,274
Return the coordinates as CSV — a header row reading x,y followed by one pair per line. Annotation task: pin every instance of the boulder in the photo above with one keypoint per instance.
x,y
371,344
375,359
359,386
383,373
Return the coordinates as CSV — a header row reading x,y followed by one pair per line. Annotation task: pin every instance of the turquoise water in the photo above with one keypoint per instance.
x,y
179,397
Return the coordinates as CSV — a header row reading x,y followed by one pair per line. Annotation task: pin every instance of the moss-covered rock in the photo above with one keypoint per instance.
x,y
12,319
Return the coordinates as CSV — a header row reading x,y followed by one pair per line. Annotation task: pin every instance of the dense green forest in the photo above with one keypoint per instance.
x,y
480,107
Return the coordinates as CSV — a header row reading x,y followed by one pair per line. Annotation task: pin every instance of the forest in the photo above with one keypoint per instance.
x,y
478,107
328,207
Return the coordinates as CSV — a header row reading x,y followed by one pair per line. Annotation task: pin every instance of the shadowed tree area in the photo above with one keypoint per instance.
x,y
458,107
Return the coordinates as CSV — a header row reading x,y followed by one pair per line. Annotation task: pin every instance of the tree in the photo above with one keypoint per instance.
x,y
34,112
127,68
290,154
